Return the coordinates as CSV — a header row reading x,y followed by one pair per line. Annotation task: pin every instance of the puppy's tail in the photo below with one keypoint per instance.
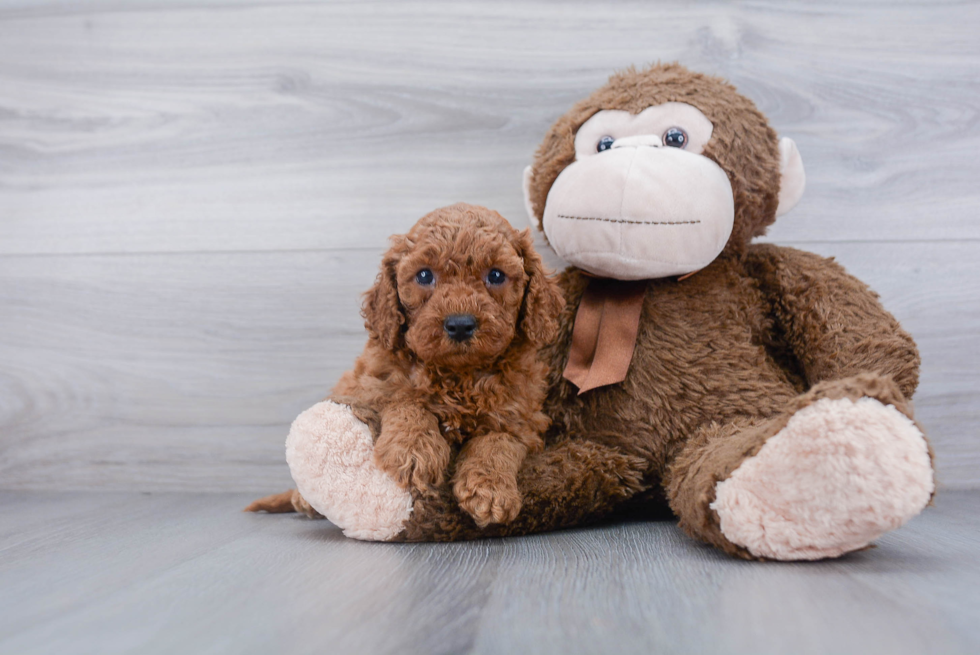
x,y
287,501
274,504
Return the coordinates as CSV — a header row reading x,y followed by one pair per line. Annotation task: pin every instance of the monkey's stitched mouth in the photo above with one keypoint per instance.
x,y
623,220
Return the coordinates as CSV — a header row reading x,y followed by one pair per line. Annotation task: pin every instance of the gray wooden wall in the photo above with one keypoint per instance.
x,y
193,195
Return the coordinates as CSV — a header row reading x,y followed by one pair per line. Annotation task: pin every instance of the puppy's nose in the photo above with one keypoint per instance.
x,y
460,327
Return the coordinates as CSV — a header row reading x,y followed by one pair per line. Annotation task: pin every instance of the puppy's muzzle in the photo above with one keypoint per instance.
x,y
460,327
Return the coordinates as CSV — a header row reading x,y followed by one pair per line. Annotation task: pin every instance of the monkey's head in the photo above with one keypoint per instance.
x,y
659,172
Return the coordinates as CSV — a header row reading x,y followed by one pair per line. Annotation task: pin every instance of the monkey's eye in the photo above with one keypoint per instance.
x,y
605,143
675,137
425,277
496,277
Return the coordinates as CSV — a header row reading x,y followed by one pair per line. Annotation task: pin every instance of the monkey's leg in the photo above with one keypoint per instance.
x,y
568,484
844,464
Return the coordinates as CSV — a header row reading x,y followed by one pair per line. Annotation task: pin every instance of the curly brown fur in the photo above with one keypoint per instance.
x,y
712,377
432,394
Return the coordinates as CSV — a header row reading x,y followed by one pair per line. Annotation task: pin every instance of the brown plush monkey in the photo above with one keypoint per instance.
x,y
759,392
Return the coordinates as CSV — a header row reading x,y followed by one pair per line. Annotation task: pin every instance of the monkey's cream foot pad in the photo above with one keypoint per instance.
x,y
837,477
331,457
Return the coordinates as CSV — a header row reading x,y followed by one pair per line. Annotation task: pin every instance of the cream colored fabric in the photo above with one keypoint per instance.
x,y
837,477
641,212
792,177
331,457
651,122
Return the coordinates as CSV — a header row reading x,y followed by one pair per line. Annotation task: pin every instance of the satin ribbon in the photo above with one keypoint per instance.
x,y
604,336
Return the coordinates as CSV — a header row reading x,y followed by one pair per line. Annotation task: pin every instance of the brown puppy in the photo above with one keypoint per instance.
x,y
456,318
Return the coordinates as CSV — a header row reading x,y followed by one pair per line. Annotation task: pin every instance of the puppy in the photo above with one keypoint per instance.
x,y
455,321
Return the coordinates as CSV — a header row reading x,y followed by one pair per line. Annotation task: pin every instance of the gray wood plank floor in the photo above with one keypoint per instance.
x,y
184,573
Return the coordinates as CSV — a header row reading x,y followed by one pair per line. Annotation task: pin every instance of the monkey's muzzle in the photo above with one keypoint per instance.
x,y
640,212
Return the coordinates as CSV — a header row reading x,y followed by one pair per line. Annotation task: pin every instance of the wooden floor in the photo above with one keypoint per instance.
x,y
179,573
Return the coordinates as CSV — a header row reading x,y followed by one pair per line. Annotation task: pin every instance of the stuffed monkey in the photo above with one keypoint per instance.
x,y
759,393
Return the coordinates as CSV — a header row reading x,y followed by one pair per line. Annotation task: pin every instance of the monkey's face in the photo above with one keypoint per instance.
x,y
639,192
640,200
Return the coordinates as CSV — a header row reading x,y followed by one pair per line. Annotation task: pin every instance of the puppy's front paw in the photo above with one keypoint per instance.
x,y
487,498
415,461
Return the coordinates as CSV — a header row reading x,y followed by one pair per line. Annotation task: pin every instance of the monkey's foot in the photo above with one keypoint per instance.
x,y
838,476
331,456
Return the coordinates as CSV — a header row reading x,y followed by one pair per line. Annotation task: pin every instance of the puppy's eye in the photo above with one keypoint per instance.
x,y
675,137
496,277
425,277
605,143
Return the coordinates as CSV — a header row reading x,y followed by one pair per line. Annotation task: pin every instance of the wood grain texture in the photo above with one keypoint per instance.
x,y
140,126
192,196
180,573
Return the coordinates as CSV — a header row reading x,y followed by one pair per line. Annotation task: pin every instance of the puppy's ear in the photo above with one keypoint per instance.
x,y
382,311
543,300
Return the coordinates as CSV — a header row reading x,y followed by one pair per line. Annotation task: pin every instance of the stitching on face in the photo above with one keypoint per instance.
x,y
637,260
622,220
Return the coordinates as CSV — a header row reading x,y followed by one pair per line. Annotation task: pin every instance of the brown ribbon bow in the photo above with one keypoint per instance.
x,y
604,335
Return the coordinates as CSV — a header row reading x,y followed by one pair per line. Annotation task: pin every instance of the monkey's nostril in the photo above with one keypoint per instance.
x,y
460,327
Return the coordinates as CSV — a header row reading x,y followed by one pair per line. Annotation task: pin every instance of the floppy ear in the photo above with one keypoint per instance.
x,y
382,311
543,300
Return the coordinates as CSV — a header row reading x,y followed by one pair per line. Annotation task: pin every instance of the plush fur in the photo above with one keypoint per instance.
x,y
825,484
724,360
356,494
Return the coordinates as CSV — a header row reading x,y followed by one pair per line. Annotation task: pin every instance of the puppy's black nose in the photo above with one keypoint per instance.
x,y
460,327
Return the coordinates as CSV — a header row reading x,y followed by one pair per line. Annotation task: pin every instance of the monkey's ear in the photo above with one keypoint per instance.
x,y
792,178
382,311
543,300
531,218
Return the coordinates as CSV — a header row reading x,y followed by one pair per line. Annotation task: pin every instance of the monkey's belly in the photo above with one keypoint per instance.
x,y
700,356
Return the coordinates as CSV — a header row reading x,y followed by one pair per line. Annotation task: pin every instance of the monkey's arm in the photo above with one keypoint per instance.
x,y
567,484
833,323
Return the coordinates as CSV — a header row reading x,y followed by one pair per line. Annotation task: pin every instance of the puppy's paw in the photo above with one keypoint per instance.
x,y
417,460
486,497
